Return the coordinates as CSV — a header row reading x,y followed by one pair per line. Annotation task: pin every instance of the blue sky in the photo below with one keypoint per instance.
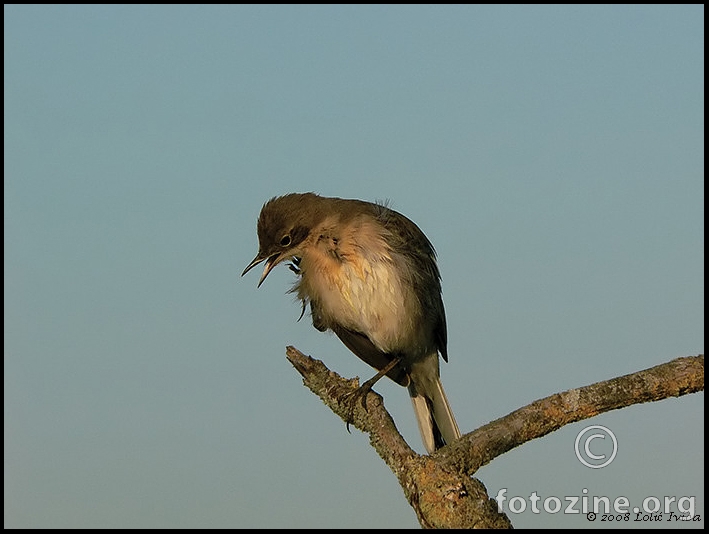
x,y
553,155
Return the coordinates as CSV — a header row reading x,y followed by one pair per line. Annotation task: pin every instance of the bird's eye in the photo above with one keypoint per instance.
x,y
285,240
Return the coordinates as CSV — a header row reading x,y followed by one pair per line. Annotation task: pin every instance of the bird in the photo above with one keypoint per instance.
x,y
368,274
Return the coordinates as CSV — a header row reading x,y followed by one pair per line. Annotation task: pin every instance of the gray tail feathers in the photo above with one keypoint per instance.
x,y
433,413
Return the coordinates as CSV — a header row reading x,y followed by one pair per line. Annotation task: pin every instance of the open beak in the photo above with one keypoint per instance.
x,y
271,262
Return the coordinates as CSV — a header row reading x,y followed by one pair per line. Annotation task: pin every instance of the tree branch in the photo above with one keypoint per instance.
x,y
672,379
440,487
441,497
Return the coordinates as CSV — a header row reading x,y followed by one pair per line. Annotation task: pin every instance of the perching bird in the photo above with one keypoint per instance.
x,y
370,275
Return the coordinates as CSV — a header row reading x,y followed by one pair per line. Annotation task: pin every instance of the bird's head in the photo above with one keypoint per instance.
x,y
283,226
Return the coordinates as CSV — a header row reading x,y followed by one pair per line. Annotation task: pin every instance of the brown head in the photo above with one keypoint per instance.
x,y
283,226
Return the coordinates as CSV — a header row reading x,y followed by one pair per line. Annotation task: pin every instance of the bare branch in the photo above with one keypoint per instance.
x,y
336,391
672,379
441,497
440,487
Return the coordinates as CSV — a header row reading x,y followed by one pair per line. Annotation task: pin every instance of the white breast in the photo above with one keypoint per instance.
x,y
371,297
356,284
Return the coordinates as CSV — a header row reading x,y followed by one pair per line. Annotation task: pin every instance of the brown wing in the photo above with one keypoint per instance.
x,y
365,350
409,241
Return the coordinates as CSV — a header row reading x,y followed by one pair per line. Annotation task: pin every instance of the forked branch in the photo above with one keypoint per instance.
x,y
439,487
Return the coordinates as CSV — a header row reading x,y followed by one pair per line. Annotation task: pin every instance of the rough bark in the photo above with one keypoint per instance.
x,y
440,487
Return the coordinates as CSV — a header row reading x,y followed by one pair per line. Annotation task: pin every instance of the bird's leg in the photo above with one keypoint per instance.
x,y
365,388
369,384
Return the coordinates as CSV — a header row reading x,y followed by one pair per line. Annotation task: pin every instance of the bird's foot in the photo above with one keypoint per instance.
x,y
358,395
362,391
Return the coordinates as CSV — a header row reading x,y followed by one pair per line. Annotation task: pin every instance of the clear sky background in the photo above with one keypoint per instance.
x,y
553,155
